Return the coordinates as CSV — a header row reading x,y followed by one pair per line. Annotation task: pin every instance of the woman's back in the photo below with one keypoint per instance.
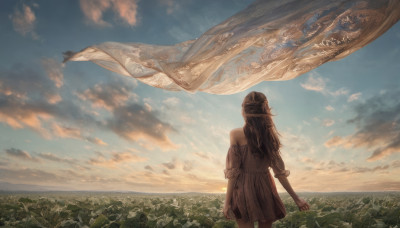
x,y
251,192
250,161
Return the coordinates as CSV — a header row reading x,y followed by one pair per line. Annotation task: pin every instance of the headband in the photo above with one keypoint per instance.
x,y
256,115
256,103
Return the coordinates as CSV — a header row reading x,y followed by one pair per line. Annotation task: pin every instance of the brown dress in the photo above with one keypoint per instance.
x,y
254,194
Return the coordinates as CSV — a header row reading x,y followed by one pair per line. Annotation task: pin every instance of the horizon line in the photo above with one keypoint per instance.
x,y
116,191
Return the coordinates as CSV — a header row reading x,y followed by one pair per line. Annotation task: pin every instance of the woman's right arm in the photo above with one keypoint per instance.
x,y
302,204
282,174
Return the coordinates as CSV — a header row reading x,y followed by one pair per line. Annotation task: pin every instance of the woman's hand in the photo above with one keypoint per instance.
x,y
302,204
226,211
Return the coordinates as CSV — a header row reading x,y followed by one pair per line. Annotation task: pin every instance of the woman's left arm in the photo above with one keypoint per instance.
x,y
231,172
228,196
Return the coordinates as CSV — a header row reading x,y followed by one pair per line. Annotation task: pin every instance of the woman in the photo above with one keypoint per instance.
x,y
251,193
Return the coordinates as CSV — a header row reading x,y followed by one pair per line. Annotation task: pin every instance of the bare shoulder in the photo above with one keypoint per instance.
x,y
236,135
236,131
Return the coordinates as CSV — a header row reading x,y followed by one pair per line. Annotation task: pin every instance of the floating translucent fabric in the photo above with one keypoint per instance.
x,y
268,41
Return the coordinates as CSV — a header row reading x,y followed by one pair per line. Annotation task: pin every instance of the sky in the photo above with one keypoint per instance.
x,y
77,126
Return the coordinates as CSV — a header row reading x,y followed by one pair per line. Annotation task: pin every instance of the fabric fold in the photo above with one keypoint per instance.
x,y
233,163
279,169
254,194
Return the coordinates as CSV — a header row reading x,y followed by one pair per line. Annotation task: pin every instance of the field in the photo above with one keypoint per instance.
x,y
102,209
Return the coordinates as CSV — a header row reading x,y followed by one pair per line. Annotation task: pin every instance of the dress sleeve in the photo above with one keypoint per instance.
x,y
233,162
279,168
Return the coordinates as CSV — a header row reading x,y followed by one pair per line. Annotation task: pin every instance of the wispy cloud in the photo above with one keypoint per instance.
x,y
354,97
24,21
188,165
94,10
314,83
335,141
171,5
55,158
71,132
202,155
53,69
116,159
127,10
317,83
344,167
28,175
328,122
329,108
171,164
171,101
20,154
109,95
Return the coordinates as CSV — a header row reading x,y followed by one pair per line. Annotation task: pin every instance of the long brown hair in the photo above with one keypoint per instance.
x,y
259,129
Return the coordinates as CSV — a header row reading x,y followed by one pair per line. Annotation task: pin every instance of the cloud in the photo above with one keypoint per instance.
x,y
18,114
328,122
108,95
187,165
166,172
395,164
171,5
93,10
54,71
148,107
149,168
378,126
379,186
171,164
364,169
131,121
53,157
116,159
294,143
171,101
31,176
134,122
343,167
29,99
353,97
24,21
335,141
314,83
329,108
25,83
125,9
17,153
70,132
202,155
338,92
36,114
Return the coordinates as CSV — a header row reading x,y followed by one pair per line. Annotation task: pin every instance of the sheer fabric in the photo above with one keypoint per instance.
x,y
268,41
